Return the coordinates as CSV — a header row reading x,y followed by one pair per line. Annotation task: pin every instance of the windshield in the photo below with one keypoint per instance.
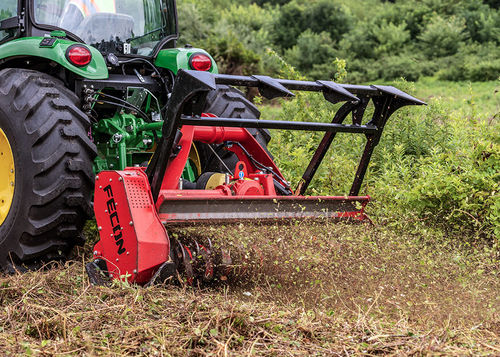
x,y
117,26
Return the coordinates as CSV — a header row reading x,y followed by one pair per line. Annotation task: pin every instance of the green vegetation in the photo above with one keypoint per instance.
x,y
436,166
449,39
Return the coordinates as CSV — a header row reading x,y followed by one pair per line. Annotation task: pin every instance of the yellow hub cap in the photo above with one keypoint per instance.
x,y
7,176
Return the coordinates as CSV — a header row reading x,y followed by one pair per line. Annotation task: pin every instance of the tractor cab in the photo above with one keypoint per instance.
x,y
121,27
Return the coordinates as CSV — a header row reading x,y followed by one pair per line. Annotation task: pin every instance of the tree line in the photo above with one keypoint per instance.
x,y
448,39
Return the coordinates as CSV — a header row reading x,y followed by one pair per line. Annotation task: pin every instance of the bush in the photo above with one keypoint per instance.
x,y
318,16
390,37
473,62
327,16
193,28
311,49
379,40
290,25
441,37
483,24
231,54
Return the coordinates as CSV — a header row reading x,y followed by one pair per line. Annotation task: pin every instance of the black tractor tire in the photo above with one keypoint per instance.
x,y
229,102
54,181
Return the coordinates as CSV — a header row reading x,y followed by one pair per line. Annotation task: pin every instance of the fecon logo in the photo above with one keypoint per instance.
x,y
115,221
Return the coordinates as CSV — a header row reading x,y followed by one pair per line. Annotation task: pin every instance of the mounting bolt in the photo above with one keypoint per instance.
x,y
95,252
128,253
110,180
105,211
100,186
134,271
99,228
97,178
117,260
131,223
120,178
11,171
117,138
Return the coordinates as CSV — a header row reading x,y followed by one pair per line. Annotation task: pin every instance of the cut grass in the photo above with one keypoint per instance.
x,y
318,289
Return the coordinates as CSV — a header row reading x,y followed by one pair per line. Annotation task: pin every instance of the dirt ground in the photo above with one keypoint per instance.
x,y
305,289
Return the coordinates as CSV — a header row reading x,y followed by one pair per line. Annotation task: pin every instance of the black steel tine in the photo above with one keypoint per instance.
x,y
271,88
335,93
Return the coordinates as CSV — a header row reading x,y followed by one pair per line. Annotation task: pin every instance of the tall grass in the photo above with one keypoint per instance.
x,y
437,165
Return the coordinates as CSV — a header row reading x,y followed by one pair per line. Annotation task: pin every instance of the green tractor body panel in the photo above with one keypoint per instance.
x,y
174,59
56,51
125,141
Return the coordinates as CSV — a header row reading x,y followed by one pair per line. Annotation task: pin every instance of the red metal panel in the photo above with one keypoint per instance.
x,y
176,167
133,241
197,206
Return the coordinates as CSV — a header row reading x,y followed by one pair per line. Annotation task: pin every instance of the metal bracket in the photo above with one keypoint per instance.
x,y
11,23
270,88
399,94
189,96
334,93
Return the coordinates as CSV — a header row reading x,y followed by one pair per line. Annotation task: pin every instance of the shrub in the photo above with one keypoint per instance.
x,y
473,62
231,54
327,16
318,16
390,37
311,49
442,37
289,26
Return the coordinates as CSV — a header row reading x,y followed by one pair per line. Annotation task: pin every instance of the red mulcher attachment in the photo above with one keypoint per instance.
x,y
134,206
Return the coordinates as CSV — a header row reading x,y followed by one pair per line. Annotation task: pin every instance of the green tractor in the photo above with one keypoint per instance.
x,y
78,78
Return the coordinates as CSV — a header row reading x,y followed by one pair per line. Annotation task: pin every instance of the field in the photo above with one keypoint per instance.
x,y
424,279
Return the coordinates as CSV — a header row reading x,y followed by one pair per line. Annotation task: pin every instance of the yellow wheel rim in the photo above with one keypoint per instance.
x,y
195,158
7,176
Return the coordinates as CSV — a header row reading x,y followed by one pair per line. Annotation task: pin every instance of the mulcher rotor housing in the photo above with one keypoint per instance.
x,y
104,93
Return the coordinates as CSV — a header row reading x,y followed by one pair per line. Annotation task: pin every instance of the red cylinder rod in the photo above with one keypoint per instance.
x,y
214,134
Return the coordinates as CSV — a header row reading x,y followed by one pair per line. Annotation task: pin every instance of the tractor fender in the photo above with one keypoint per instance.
x,y
55,51
175,59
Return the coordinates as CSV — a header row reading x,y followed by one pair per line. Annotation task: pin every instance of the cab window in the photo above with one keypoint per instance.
x,y
8,8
